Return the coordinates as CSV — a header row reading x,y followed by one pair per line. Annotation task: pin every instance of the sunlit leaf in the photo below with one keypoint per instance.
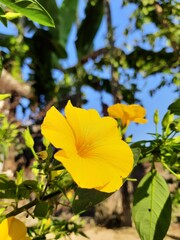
x,y
31,9
152,207
4,96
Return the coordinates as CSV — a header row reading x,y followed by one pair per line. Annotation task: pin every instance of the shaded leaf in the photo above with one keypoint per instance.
x,y
136,155
67,15
175,107
7,187
152,207
87,198
41,209
89,27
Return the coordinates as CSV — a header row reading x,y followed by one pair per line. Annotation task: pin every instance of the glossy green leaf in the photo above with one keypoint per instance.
x,y
175,107
31,9
152,207
87,198
89,27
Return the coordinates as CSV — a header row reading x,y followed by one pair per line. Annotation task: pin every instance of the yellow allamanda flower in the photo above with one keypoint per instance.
x,y
13,229
128,113
90,147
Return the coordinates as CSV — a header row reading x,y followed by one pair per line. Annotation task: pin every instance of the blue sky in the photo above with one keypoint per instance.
x,y
160,100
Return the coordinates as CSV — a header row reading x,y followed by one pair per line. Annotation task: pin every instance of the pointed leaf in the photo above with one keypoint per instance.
x,y
89,27
87,198
67,15
175,107
136,155
152,207
31,9
41,209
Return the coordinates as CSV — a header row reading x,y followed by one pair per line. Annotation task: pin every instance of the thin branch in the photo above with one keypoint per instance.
x,y
32,204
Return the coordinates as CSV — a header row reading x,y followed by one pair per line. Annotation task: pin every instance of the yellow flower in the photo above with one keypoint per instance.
x,y
90,147
13,229
127,113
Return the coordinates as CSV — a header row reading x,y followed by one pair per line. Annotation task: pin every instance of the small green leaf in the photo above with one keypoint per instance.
x,y
175,107
41,209
11,15
7,187
152,207
4,96
87,198
136,155
31,9
28,138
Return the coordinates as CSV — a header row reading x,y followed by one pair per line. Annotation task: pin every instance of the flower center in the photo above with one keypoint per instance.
x,y
83,149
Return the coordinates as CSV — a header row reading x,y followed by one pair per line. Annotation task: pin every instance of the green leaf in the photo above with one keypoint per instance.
x,y
28,138
89,27
25,189
136,155
86,198
175,107
31,9
7,187
4,21
41,209
5,95
67,15
152,207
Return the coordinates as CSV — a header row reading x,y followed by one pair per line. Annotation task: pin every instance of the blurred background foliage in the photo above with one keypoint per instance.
x,y
42,50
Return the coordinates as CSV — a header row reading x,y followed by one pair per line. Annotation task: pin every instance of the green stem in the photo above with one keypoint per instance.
x,y
171,171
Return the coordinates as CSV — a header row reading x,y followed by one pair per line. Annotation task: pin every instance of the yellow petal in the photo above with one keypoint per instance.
x,y
140,120
103,169
12,229
57,130
128,113
87,125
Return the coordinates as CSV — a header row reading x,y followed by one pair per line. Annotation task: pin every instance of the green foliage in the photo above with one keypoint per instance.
x,y
87,198
31,9
66,20
175,107
87,30
152,207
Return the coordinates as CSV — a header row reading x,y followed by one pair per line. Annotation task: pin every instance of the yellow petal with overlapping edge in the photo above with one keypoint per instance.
x,y
88,126
13,229
58,131
101,158
103,164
